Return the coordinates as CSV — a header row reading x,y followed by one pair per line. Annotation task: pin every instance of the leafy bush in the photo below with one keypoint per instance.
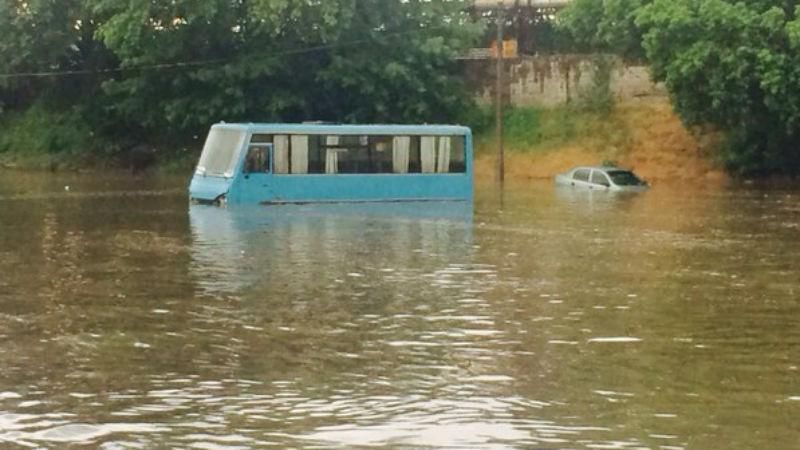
x,y
597,97
532,128
43,131
479,118
521,126
43,137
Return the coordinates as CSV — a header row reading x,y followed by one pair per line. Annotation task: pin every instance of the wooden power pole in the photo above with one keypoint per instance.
x,y
499,95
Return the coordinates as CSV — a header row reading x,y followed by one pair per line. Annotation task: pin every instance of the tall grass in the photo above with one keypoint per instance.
x,y
535,129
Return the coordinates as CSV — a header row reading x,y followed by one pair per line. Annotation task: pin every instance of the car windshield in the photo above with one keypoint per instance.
x,y
624,178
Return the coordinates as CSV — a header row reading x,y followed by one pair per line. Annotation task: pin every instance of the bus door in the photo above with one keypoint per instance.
x,y
257,172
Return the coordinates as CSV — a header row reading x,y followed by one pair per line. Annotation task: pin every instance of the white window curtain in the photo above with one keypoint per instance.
x,y
299,154
281,151
332,155
443,161
428,154
400,151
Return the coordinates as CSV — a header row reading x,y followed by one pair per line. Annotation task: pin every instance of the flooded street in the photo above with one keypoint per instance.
x,y
542,319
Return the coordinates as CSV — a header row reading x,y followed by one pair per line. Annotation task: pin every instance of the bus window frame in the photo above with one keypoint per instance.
x,y
269,146
465,138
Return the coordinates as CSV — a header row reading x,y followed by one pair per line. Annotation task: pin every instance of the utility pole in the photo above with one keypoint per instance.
x,y
499,94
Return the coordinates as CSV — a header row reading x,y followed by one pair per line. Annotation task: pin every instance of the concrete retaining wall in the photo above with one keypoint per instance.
x,y
557,79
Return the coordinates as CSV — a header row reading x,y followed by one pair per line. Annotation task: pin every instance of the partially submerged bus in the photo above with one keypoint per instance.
x,y
312,163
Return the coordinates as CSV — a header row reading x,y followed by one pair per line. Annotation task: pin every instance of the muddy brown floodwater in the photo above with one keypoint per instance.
x,y
540,319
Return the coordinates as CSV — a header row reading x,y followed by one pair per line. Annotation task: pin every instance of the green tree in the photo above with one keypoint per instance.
x,y
604,26
45,36
41,112
260,60
733,65
164,70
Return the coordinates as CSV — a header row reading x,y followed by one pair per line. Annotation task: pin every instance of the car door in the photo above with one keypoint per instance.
x,y
599,180
580,178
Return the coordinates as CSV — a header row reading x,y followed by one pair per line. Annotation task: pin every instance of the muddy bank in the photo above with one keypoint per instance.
x,y
644,136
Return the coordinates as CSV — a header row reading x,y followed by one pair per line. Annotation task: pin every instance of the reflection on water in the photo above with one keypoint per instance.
x,y
557,319
237,247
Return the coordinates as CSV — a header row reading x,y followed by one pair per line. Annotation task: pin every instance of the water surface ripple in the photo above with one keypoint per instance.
x,y
541,318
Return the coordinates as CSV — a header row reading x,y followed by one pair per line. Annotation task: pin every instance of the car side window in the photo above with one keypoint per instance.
x,y
600,178
581,175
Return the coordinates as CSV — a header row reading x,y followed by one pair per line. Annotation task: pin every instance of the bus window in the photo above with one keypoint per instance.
x,y
457,155
427,154
382,154
261,139
257,160
401,152
281,154
442,154
347,154
350,154
299,154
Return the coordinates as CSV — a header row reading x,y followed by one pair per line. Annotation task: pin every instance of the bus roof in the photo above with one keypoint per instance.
x,y
316,128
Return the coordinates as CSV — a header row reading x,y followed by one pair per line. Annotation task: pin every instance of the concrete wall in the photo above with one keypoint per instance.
x,y
557,79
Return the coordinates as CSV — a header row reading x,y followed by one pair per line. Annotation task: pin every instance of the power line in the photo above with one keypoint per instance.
x,y
199,63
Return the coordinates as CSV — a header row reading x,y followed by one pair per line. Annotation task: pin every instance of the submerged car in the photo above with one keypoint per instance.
x,y
602,178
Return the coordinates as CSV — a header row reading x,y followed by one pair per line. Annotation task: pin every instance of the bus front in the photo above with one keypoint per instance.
x,y
216,169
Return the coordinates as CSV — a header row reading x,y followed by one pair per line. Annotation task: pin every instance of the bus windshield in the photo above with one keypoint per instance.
x,y
220,152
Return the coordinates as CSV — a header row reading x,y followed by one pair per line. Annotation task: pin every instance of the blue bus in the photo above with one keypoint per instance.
x,y
318,163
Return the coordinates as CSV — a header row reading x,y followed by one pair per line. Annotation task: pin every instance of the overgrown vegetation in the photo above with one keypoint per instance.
x,y
40,137
163,71
730,65
539,129
536,129
597,96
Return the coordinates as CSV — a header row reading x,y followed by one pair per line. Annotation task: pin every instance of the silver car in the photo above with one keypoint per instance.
x,y
602,178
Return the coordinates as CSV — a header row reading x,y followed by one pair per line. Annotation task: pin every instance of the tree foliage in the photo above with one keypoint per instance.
x,y
734,65
604,26
43,36
167,69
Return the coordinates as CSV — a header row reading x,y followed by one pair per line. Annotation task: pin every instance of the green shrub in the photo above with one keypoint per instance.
x,y
40,130
597,96
521,126
527,128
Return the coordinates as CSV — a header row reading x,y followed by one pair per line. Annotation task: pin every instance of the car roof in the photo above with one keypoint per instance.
x,y
601,168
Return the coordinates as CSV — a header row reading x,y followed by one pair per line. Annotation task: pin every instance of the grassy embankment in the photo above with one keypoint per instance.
x,y
645,136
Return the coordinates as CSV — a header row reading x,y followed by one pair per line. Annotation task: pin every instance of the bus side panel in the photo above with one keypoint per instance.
x,y
264,188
